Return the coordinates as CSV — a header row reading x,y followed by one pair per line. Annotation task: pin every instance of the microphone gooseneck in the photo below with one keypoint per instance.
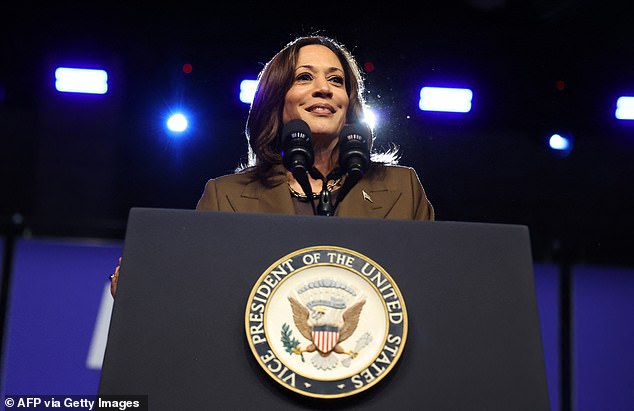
x,y
298,156
325,206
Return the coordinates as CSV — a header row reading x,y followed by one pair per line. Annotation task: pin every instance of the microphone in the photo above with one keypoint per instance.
x,y
297,149
354,152
297,154
354,155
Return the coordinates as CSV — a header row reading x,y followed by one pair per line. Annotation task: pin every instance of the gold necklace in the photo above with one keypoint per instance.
x,y
330,186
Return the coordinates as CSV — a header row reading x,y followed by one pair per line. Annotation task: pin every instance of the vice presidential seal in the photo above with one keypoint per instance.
x,y
326,322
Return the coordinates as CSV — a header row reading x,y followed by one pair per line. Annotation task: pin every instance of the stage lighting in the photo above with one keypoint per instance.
x,y
369,117
79,80
559,142
247,90
177,123
454,100
624,108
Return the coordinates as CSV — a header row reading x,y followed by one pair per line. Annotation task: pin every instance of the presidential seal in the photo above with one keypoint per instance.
x,y
326,322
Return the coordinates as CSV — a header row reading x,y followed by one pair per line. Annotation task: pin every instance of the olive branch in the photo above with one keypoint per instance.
x,y
289,342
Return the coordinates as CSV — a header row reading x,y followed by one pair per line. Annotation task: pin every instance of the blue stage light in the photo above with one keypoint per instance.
x,y
247,90
177,123
560,143
624,108
455,100
79,80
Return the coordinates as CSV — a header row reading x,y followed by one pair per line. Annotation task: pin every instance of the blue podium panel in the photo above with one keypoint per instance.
x,y
603,344
547,291
59,312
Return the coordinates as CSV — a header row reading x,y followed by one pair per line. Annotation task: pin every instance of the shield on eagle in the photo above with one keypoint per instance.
x,y
325,337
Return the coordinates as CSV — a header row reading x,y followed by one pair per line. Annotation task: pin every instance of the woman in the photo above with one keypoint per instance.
x,y
314,79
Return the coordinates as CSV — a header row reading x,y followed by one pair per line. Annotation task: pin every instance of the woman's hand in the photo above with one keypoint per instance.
x,y
114,278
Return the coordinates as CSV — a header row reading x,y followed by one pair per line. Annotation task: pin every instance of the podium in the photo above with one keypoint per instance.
x,y
177,332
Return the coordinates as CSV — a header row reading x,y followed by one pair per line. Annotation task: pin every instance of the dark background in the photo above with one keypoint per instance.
x,y
73,165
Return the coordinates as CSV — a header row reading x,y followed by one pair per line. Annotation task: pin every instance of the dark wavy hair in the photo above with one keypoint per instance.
x,y
264,122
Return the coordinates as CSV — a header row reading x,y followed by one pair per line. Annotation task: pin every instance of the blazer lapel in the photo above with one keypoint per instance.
x,y
369,199
255,198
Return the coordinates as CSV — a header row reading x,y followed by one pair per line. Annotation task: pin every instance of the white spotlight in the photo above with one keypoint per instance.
x,y
247,90
557,142
177,123
369,117
625,108
77,80
455,100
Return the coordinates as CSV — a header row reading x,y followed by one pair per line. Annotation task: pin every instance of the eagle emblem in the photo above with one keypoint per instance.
x,y
326,320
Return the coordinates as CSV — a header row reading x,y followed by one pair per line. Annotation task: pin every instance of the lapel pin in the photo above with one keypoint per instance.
x,y
366,196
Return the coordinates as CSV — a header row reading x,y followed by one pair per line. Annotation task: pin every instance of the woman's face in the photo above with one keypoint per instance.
x,y
318,94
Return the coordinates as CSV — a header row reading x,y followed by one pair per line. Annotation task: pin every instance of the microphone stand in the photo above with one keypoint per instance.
x,y
353,176
325,206
301,175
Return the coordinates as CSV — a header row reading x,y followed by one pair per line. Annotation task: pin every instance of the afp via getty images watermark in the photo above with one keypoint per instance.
x,y
77,402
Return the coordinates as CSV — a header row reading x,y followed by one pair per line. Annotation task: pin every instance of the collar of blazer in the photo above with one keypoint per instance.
x,y
369,198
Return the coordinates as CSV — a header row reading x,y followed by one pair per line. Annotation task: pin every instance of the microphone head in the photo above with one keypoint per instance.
x,y
297,147
354,151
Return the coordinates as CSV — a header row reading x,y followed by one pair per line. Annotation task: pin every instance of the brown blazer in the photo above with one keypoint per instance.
x,y
390,192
